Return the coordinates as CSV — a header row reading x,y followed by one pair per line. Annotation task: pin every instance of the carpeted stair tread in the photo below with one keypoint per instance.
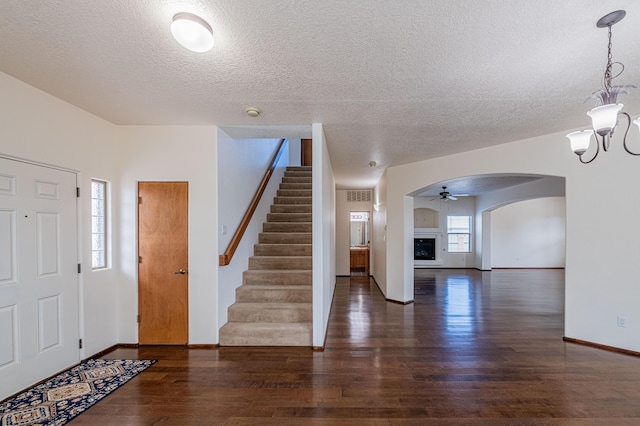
x,y
294,193
265,277
297,179
282,249
280,262
296,185
265,334
287,227
300,168
297,173
270,312
274,293
289,217
285,238
292,200
291,208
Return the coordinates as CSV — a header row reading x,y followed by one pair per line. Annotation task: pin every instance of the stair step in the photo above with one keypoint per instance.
x,y
294,193
292,200
296,185
291,277
265,334
287,227
285,238
270,312
297,173
288,217
274,293
280,262
300,168
282,249
291,208
304,179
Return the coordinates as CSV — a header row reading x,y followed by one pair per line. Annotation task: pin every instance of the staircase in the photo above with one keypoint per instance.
x,y
273,304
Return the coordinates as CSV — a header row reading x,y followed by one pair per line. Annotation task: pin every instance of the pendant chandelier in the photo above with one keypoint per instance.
x,y
604,117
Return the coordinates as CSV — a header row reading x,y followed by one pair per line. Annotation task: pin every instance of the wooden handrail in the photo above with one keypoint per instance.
x,y
225,258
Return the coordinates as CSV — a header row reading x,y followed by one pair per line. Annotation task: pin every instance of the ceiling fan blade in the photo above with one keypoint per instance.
x,y
460,195
452,198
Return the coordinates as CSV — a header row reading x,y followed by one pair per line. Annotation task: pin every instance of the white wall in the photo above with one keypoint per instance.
x,y
39,127
324,235
343,226
529,234
379,234
172,153
241,167
601,284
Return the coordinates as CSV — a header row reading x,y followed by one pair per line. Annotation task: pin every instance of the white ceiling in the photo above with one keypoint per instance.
x,y
393,81
476,185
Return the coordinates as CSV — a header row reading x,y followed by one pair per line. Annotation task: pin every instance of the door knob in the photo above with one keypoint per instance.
x,y
180,272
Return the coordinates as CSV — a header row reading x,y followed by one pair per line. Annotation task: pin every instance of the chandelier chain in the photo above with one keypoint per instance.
x,y
607,73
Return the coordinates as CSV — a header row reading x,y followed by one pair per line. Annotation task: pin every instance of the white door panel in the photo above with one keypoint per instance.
x,y
39,320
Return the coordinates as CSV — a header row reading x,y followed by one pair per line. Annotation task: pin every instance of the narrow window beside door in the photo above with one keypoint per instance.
x,y
99,224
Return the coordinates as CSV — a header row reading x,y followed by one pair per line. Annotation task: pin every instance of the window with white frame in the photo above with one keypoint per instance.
x,y
459,234
99,224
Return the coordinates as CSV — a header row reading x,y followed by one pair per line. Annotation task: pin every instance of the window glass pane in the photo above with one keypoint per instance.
x,y
459,234
97,207
98,224
458,243
97,241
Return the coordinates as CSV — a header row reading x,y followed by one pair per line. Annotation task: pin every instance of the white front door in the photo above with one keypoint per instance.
x,y
38,274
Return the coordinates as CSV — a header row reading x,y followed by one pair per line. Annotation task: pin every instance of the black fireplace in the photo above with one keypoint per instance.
x,y
424,249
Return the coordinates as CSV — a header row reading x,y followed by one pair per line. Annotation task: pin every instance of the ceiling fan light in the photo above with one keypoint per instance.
x,y
604,118
192,32
580,140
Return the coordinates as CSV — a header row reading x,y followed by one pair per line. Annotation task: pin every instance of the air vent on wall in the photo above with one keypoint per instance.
x,y
358,196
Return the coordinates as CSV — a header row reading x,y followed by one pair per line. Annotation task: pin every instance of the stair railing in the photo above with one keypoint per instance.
x,y
225,259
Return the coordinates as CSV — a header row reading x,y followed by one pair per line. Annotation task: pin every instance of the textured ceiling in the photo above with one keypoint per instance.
x,y
393,81
477,185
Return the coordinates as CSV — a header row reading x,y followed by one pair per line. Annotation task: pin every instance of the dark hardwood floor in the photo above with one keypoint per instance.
x,y
476,348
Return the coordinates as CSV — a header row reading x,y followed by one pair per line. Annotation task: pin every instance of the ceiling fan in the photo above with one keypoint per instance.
x,y
446,195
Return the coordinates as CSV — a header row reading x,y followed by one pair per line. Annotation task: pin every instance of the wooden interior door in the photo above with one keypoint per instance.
x,y
163,279
305,151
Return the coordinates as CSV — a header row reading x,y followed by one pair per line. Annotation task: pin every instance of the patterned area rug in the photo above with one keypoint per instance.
x,y
68,394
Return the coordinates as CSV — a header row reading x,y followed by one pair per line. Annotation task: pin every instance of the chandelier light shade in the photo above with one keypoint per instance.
x,y
192,32
580,140
604,117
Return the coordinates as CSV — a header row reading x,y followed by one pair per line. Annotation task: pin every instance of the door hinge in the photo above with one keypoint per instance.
x,y
138,319
139,200
79,268
77,192
139,259
80,344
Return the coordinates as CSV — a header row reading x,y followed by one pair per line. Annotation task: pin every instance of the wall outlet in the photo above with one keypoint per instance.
x,y
224,229
622,321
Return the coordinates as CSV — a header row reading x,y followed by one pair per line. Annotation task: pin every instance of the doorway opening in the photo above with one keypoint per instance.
x,y
359,243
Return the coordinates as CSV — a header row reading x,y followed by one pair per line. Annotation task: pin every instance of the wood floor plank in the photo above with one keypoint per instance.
x,y
476,348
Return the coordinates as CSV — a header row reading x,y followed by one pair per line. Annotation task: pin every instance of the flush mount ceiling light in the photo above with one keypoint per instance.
x,y
192,32
604,117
